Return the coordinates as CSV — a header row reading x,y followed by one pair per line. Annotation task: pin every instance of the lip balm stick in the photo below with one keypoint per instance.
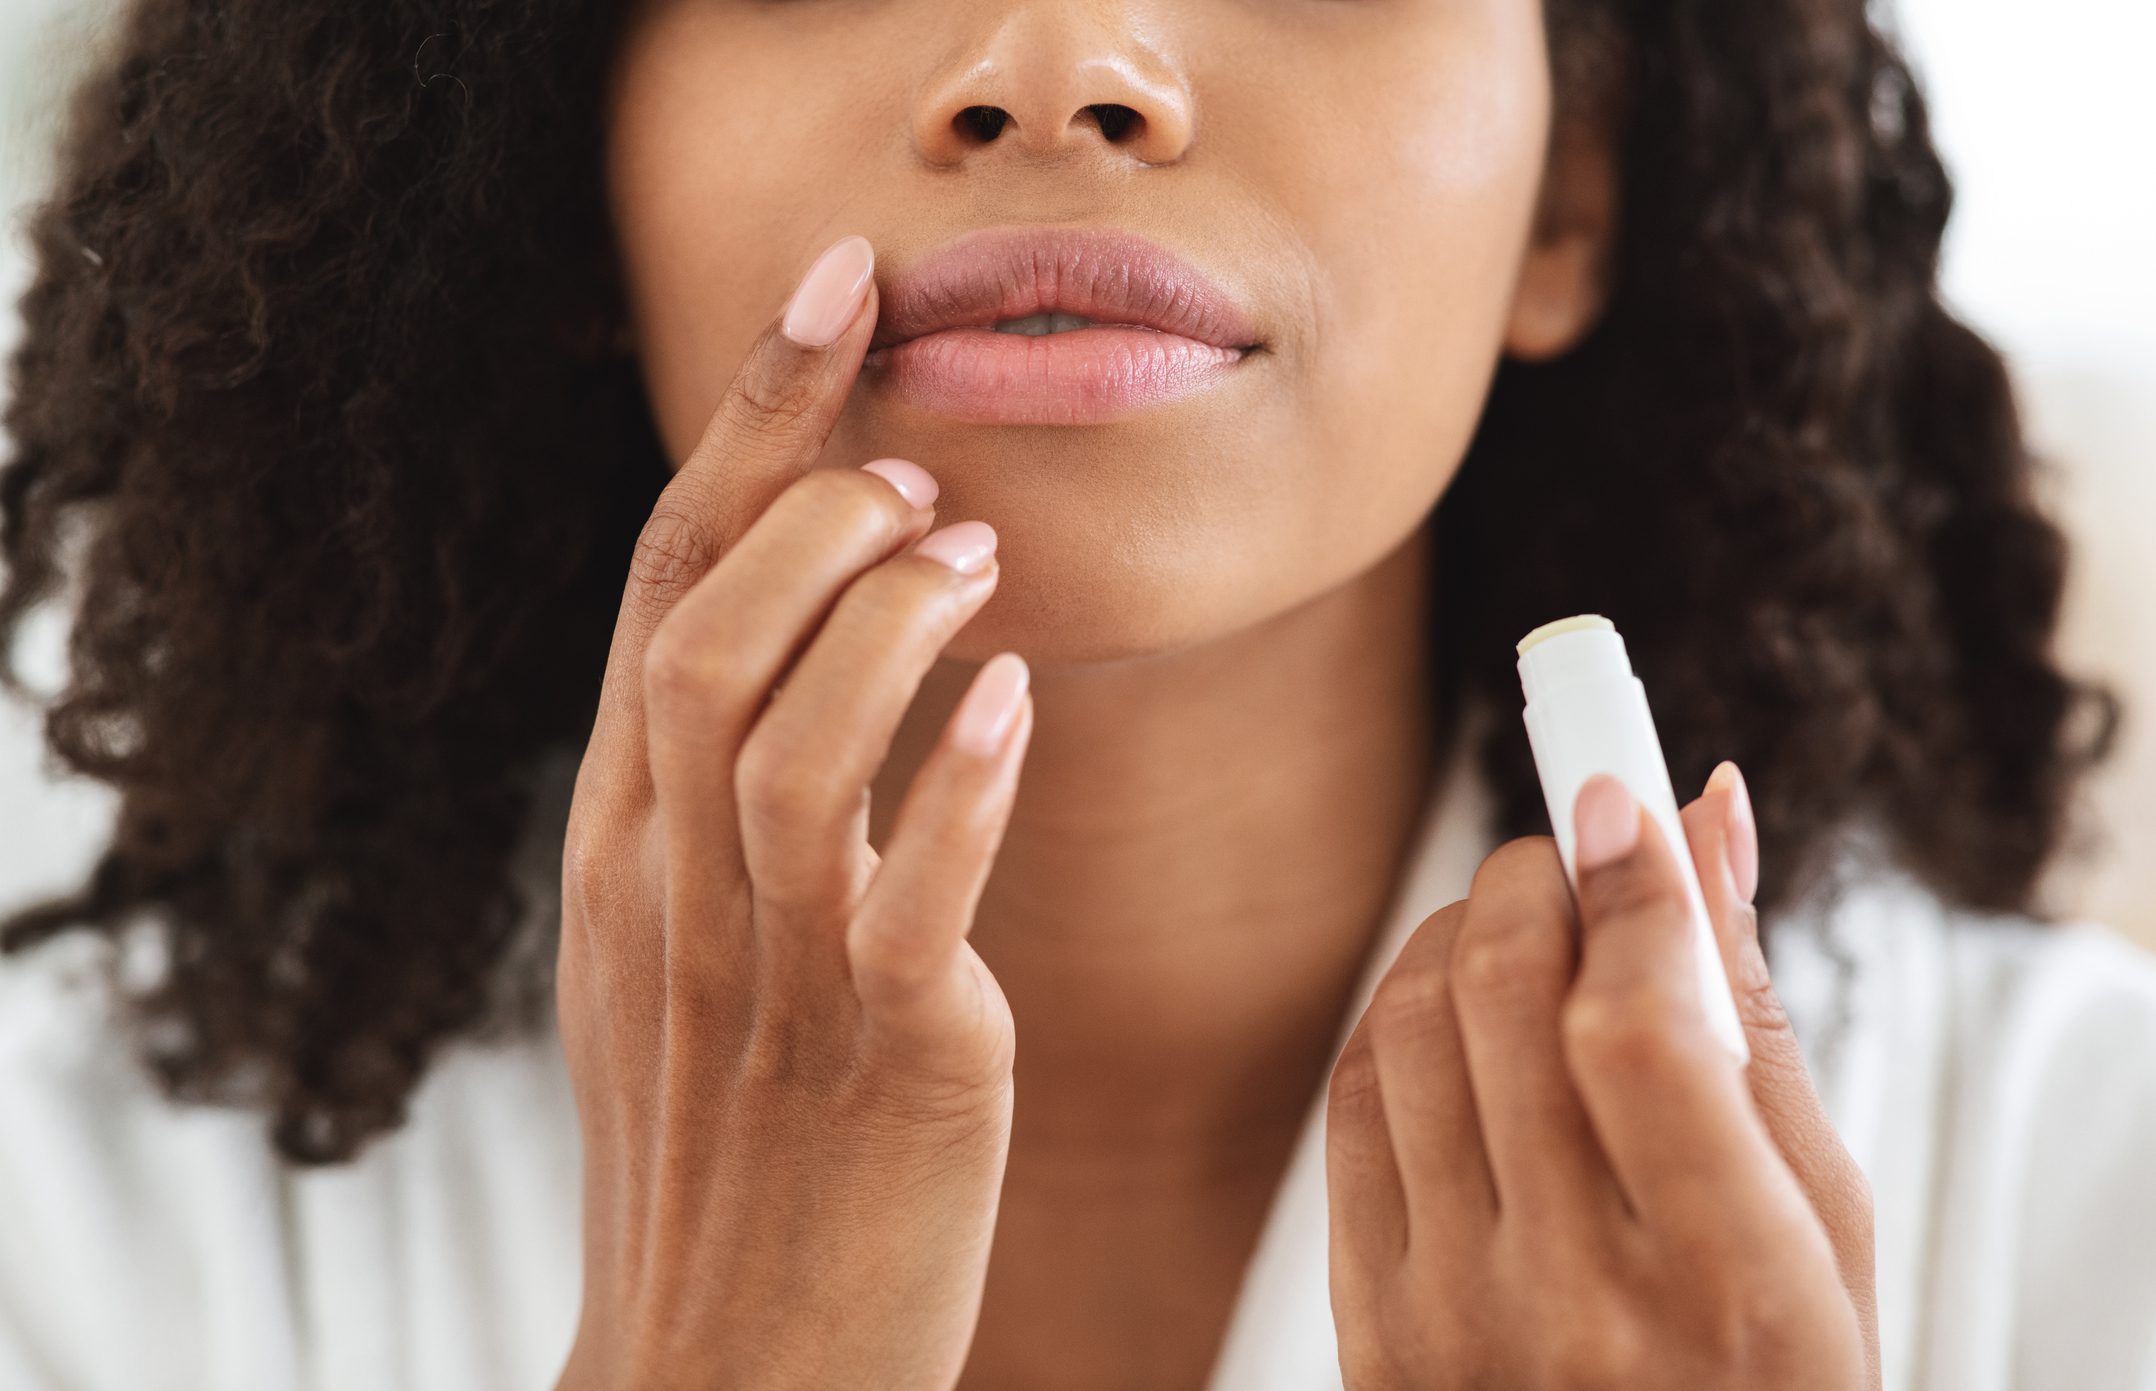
x,y
1587,714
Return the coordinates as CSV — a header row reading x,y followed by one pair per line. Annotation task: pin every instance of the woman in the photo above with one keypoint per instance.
x,y
523,448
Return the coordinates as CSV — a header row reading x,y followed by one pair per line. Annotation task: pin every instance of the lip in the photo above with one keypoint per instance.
x,y
1162,330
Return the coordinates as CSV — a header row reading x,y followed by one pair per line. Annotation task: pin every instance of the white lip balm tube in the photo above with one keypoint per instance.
x,y
1587,714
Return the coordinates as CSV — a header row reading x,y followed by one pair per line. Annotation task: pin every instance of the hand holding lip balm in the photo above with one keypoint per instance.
x,y
1533,1076
1587,714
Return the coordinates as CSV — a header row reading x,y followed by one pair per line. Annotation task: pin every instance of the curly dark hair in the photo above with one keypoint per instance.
x,y
316,357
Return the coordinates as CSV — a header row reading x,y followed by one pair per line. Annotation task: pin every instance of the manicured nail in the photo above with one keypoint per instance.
x,y
985,714
825,301
1740,838
1607,822
964,546
911,480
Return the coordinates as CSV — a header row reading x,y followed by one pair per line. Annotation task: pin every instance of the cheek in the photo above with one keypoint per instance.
x,y
725,135
1416,226
1405,178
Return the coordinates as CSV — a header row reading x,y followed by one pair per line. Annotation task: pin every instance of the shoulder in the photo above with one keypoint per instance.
x,y
63,1051
2057,1021
447,1248
2054,1090
2009,1014
1998,988
1995,1075
103,1180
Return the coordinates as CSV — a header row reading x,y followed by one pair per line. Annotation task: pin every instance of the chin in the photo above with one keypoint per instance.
x,y
1053,626
1091,614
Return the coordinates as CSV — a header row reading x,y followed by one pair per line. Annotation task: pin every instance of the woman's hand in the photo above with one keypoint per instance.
x,y
792,1071
1546,1173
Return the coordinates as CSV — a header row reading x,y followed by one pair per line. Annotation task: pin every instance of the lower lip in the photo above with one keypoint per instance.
x,y
1074,378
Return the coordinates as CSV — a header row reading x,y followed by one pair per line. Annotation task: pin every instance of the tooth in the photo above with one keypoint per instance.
x,y
1039,325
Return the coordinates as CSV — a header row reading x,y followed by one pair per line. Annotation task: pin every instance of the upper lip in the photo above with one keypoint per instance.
x,y
992,274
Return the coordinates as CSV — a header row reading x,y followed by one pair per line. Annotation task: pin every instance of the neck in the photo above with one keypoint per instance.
x,y
1203,847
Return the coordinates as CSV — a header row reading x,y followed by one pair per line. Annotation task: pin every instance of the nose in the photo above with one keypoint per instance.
x,y
1057,79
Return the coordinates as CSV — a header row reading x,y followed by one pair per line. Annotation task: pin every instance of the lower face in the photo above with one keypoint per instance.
x,y
1359,176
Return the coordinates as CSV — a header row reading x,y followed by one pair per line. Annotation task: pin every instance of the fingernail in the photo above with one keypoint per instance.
x,y
1607,822
911,480
1740,838
990,702
825,301
964,546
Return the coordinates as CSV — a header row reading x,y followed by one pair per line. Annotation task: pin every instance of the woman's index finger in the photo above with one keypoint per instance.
x,y
768,429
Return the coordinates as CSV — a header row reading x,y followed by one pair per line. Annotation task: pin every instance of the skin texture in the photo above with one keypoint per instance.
x,y
1220,603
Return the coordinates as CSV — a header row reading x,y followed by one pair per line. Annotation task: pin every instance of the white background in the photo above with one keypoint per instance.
x,y
2045,116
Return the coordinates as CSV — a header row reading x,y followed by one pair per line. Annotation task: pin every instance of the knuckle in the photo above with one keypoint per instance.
x,y
598,858
776,781
1353,1088
708,998
1597,1349
1760,1007
1630,889
1745,1322
1407,1003
1516,859
888,960
587,870
774,1054
847,506
1627,1029
1497,961
897,597
673,551
692,671
674,670
1758,1003
766,399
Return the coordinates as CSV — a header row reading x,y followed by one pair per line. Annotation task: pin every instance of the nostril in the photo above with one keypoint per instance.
x,y
1114,118
984,122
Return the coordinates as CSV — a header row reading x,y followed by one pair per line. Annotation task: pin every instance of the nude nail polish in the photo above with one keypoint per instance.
x,y
964,546
1740,837
912,481
1608,821
830,293
990,703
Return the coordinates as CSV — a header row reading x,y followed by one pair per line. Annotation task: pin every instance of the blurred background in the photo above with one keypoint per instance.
x,y
2044,117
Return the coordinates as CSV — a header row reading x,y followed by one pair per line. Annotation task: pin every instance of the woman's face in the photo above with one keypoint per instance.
x,y
1361,177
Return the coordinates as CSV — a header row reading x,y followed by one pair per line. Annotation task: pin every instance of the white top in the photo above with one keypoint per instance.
x,y
1995,1079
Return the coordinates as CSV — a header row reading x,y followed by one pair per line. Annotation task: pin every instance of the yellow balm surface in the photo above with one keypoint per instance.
x,y
1565,625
